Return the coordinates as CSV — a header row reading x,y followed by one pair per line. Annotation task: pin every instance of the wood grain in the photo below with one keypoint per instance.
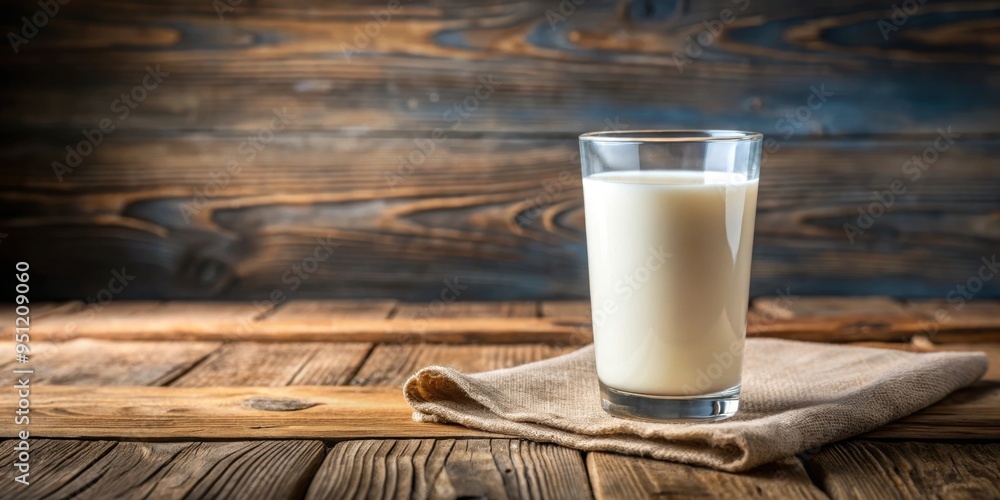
x,y
177,413
575,309
392,364
447,468
868,469
262,469
53,464
98,362
344,412
36,312
337,321
552,76
122,320
826,319
358,105
277,364
464,309
958,314
619,476
314,314
846,319
493,214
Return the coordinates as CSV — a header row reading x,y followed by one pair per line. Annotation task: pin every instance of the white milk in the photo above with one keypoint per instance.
x,y
669,260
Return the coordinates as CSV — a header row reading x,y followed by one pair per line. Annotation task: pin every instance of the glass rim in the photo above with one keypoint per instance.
x,y
708,135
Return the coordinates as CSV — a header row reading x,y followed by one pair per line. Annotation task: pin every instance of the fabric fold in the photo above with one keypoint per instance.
x,y
795,396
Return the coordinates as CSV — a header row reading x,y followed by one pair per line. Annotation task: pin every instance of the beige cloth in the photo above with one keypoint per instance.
x,y
796,396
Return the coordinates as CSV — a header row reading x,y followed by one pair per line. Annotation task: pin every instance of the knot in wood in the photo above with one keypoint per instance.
x,y
277,404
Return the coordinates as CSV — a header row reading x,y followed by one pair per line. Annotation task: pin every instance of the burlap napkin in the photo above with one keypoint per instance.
x,y
796,396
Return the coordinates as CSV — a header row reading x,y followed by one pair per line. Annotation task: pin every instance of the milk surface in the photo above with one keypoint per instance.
x,y
669,258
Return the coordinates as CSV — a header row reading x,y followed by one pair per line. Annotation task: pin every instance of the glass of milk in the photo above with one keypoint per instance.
x,y
670,218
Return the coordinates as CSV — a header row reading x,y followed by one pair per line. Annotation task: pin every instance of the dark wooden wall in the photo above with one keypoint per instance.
x,y
469,209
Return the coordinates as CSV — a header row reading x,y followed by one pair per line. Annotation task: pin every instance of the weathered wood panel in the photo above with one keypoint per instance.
x,y
102,469
845,319
565,323
868,469
178,413
447,469
392,364
53,464
344,412
466,210
277,364
119,362
493,215
462,309
176,320
619,476
552,75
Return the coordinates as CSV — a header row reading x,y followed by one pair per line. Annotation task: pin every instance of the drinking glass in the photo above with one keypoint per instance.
x,y
670,219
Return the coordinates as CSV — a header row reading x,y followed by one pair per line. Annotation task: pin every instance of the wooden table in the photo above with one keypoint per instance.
x,y
167,399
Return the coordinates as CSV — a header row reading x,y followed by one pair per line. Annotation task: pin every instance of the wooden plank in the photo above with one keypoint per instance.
x,y
828,319
294,412
552,77
846,319
619,476
259,469
345,412
464,309
119,320
312,314
468,212
972,316
576,309
98,362
868,469
967,414
392,364
53,464
447,468
434,330
277,364
36,311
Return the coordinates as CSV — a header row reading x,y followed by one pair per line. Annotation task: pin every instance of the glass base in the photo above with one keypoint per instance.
x,y
665,408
